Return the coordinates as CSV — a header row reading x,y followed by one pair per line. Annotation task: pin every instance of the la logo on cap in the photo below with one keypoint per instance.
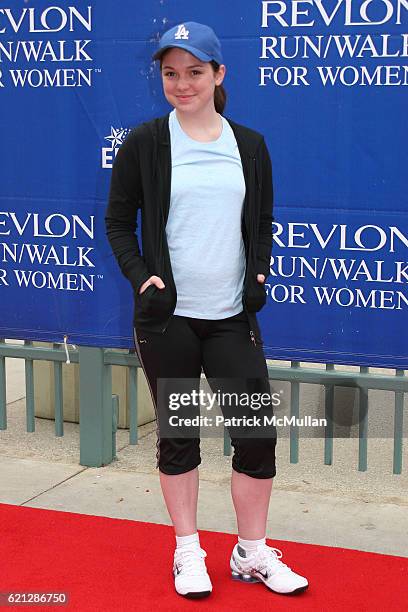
x,y
182,33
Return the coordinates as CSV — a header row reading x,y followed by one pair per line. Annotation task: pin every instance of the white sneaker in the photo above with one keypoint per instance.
x,y
265,566
190,573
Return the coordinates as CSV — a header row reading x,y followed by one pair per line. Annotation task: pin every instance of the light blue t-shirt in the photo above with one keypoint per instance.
x,y
203,230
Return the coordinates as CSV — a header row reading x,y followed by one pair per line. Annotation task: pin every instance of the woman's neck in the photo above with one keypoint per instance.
x,y
204,126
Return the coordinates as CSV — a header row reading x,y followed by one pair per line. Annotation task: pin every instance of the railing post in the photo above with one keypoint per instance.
x,y
115,419
398,428
29,379
363,424
329,413
227,443
58,397
294,412
3,398
133,412
95,408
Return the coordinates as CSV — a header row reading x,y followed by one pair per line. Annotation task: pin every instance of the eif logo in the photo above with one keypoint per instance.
x,y
116,138
182,33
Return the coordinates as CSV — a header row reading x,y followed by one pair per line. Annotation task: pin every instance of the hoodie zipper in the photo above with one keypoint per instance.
x,y
252,335
252,179
162,237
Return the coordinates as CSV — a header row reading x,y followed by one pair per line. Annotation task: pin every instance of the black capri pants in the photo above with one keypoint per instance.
x,y
231,362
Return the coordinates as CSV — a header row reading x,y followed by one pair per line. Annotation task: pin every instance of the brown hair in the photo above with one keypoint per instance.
x,y
220,95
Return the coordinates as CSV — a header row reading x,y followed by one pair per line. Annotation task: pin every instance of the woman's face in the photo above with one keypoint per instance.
x,y
189,83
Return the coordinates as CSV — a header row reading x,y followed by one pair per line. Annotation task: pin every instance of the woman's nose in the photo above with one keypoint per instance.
x,y
182,84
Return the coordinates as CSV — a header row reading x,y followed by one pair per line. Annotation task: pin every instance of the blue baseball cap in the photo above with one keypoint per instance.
x,y
198,39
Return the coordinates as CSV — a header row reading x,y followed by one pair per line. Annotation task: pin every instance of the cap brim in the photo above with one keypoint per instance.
x,y
203,57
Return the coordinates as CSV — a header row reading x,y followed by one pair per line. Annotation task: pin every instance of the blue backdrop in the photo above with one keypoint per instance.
x,y
324,81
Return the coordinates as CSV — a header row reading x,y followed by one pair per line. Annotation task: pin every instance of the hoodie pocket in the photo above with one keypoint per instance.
x,y
255,295
156,303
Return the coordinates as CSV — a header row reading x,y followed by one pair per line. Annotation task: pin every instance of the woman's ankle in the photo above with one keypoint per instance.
x,y
188,540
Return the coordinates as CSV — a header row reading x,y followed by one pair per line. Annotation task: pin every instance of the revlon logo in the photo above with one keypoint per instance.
x,y
51,19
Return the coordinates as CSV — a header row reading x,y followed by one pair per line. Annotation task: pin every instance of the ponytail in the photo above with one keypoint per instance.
x,y
220,95
220,98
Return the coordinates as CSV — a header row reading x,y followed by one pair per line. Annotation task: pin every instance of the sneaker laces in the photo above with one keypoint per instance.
x,y
269,558
191,560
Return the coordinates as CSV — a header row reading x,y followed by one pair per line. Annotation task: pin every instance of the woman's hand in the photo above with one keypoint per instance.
x,y
260,278
153,280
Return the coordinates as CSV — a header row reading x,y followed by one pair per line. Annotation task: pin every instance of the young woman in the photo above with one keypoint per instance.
x,y
204,187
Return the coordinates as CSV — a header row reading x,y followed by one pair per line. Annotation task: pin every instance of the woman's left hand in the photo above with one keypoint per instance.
x,y
260,278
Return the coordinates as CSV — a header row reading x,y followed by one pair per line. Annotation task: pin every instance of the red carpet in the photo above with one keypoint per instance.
x,y
109,564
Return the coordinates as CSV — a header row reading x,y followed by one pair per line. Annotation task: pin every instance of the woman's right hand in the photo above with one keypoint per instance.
x,y
153,280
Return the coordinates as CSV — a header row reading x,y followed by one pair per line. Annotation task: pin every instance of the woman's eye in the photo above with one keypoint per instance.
x,y
195,72
169,74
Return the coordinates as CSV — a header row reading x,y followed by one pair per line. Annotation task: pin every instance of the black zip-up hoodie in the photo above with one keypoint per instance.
x,y
141,178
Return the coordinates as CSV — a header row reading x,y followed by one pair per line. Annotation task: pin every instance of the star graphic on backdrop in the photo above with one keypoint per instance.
x,y
116,137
